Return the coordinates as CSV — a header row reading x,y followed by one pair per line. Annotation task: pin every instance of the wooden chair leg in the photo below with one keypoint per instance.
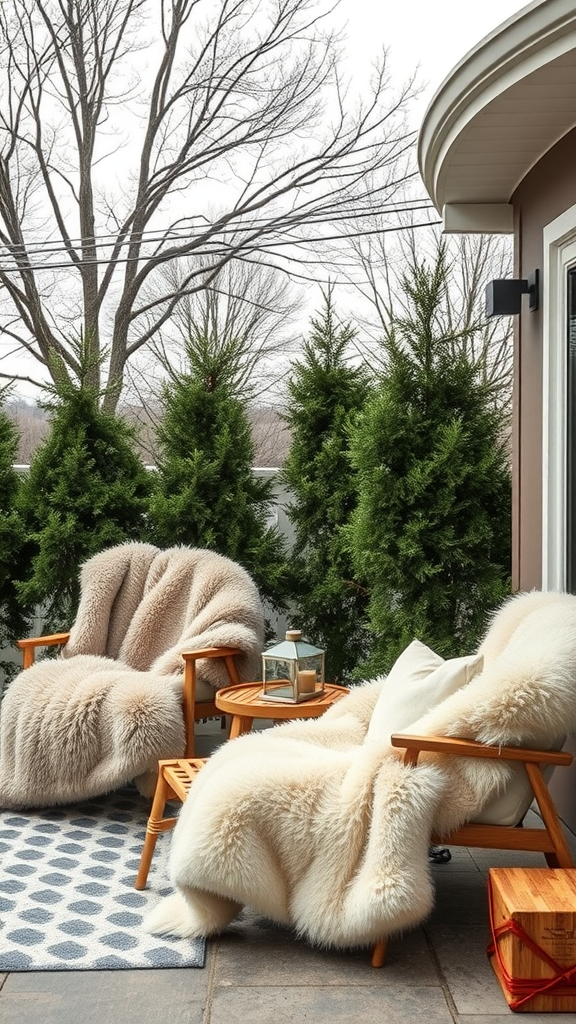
x,y
379,953
156,824
562,856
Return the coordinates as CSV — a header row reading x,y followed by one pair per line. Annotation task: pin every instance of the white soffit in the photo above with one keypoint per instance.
x,y
506,103
470,218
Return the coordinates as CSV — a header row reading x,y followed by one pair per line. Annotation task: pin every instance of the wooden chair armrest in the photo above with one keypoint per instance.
x,y
44,641
211,652
470,748
29,646
192,707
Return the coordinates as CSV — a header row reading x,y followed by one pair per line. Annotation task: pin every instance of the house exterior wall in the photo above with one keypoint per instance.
x,y
547,190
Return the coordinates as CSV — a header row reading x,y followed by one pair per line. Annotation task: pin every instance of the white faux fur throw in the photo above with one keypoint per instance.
x,y
317,829
111,706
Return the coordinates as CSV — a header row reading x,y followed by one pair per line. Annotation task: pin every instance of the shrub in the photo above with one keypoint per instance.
x,y
326,392
206,494
431,531
86,490
14,614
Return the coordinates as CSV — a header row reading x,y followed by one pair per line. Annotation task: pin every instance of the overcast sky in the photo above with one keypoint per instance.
x,y
435,34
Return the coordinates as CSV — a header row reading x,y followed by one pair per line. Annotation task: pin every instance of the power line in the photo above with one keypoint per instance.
x,y
24,264
49,246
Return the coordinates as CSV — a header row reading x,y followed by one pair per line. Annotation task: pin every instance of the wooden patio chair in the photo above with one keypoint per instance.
x,y
144,606
549,839
193,710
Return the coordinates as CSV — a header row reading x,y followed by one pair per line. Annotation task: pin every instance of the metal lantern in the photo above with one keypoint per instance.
x,y
293,670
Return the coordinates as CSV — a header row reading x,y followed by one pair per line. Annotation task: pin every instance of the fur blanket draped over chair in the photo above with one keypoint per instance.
x,y
326,830
106,710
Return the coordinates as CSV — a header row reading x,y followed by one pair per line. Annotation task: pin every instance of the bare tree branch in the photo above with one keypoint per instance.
x,y
374,266
240,327
235,107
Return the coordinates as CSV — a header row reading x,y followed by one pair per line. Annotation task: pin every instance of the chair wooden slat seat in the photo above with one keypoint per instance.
x,y
174,780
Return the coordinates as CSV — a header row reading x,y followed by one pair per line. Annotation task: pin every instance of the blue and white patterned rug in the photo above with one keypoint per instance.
x,y
67,896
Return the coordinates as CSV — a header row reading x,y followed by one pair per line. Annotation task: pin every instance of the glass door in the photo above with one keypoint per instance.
x,y
571,429
559,404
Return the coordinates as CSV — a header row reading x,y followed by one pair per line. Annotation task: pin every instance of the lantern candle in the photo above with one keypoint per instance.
x,y
307,681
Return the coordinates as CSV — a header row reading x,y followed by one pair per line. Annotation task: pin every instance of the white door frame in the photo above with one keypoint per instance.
x,y
559,239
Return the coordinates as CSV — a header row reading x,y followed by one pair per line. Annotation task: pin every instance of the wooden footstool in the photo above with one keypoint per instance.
x,y
174,781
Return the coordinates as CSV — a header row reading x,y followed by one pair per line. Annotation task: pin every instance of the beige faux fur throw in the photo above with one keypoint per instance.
x,y
317,829
111,706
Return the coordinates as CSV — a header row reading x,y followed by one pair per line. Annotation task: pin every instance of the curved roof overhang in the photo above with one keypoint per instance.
x,y
506,103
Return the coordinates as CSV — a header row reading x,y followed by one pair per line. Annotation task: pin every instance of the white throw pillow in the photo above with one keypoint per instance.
x,y
418,680
510,806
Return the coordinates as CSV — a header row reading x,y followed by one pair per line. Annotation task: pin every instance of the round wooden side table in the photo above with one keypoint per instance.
x,y
244,703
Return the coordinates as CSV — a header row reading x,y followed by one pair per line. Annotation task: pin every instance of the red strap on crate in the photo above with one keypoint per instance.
x,y
526,988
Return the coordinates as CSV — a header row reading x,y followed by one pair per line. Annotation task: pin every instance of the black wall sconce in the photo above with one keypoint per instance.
x,y
504,298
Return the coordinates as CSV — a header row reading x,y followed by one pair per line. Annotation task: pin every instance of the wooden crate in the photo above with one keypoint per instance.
x,y
532,910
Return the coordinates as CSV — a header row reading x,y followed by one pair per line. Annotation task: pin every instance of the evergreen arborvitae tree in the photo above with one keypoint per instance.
x,y
206,494
325,394
86,490
431,532
14,615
